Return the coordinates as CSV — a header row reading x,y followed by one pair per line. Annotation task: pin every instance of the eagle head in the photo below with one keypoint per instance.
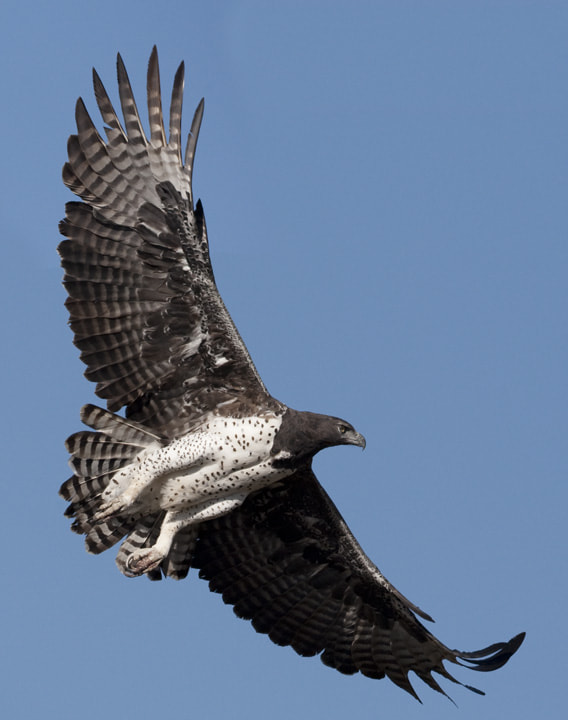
x,y
303,434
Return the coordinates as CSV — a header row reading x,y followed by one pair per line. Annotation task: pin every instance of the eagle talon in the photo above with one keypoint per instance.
x,y
142,561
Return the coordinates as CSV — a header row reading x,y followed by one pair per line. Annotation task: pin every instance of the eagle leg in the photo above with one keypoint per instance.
x,y
113,509
146,559
123,492
143,561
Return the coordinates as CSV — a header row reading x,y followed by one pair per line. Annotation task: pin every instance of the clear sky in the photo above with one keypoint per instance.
x,y
385,189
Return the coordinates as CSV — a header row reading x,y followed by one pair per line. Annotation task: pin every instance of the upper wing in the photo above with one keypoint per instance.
x,y
143,304
287,561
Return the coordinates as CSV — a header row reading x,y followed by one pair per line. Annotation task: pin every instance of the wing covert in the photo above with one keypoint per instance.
x,y
287,561
144,307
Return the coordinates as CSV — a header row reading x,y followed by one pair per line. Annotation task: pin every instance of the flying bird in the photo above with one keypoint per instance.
x,y
205,469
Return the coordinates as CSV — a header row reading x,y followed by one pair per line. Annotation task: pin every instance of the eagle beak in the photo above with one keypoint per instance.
x,y
359,440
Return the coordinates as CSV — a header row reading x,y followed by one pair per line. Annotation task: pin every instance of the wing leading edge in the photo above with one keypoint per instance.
x,y
144,307
287,561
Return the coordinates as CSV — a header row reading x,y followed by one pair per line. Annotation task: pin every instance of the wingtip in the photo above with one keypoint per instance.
x,y
121,72
492,657
119,65
153,59
97,83
506,652
515,643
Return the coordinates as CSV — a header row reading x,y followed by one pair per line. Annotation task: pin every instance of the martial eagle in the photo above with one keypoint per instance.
x,y
206,469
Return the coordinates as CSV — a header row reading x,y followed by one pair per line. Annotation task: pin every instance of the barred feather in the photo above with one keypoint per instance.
x,y
136,260
144,534
286,561
127,431
96,455
106,534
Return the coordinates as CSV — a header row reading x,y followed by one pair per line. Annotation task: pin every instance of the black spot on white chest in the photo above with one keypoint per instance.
x,y
226,456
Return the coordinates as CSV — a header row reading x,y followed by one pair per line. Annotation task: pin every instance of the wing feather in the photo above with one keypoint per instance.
x,y
132,123
175,112
287,561
155,115
192,138
143,303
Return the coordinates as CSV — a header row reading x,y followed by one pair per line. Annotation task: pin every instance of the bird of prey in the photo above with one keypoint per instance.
x,y
205,469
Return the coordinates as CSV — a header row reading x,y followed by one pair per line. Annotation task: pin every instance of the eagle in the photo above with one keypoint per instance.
x,y
204,468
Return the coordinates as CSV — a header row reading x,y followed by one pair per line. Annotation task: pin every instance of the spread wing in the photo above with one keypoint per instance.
x,y
143,304
287,561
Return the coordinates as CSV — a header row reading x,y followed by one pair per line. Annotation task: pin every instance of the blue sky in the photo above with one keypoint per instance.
x,y
385,190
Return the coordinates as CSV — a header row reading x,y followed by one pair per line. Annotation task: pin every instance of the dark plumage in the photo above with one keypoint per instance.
x,y
303,434
207,469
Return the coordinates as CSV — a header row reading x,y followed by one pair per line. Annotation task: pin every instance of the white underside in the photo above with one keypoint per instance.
x,y
198,477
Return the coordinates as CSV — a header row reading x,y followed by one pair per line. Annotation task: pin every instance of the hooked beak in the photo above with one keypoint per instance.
x,y
359,440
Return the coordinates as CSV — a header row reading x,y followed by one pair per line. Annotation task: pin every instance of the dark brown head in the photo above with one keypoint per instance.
x,y
303,434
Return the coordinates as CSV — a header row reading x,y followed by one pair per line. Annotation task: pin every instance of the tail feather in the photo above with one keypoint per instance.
x,y
77,489
104,535
98,446
121,429
96,455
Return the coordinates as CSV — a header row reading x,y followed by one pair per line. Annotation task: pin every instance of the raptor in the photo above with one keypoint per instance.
x,y
204,468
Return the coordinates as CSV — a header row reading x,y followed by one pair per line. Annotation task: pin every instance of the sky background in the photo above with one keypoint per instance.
x,y
385,190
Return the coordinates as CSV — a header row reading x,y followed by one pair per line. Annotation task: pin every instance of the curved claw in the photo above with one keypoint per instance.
x,y
143,561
